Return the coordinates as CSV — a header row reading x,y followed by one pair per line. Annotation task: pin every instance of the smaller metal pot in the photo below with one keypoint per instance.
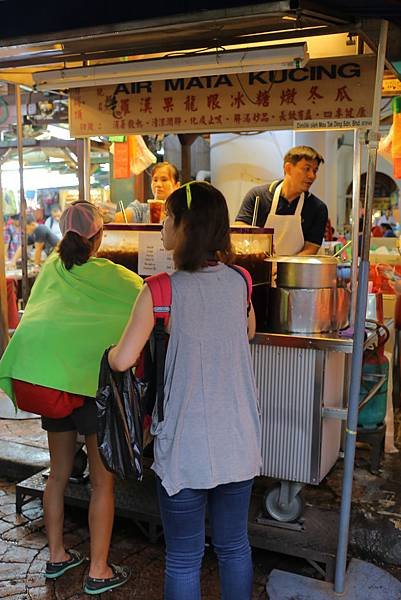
x,y
306,272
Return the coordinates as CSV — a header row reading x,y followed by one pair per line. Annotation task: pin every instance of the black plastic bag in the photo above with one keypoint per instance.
x,y
120,424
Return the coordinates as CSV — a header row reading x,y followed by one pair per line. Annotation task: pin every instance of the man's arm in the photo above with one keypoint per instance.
x,y
314,236
309,249
39,246
43,235
245,213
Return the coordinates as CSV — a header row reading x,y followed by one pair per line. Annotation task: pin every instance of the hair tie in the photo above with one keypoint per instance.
x,y
188,191
189,195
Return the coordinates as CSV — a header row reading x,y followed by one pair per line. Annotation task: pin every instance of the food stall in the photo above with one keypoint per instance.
x,y
301,412
327,93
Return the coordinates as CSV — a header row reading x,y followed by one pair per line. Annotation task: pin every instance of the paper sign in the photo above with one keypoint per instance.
x,y
333,124
152,257
391,87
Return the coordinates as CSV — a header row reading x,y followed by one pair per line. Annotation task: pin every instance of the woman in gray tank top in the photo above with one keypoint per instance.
x,y
207,449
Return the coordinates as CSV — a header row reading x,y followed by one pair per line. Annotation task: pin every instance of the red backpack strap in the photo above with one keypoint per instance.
x,y
248,280
160,288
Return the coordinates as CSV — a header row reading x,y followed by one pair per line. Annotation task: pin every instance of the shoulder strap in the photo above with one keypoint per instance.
x,y
160,288
248,280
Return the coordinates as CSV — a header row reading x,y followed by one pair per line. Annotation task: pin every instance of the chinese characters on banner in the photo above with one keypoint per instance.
x,y
338,90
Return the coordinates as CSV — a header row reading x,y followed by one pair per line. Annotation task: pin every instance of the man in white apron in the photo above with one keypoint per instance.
x,y
297,217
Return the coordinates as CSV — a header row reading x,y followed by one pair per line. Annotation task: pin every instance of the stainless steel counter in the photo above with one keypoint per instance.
x,y
17,273
317,341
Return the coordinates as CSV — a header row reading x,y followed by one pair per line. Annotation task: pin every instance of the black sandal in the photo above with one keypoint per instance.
x,y
93,585
56,569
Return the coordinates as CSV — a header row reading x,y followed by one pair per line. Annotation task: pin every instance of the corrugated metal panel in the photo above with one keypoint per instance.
x,y
285,378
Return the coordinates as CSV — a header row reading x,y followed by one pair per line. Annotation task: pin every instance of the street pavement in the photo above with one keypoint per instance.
x,y
23,547
23,553
375,533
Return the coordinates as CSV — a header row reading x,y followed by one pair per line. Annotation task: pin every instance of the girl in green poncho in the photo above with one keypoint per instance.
x,y
78,307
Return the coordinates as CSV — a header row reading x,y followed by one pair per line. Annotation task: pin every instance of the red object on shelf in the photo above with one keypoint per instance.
x,y
383,277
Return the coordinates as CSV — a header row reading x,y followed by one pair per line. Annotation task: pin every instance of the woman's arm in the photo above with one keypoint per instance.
x,y
136,333
251,323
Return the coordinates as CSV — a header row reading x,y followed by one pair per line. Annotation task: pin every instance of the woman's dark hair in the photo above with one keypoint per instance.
x,y
76,250
171,168
205,225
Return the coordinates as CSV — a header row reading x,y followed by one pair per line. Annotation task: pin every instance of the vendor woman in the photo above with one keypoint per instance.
x,y
297,216
165,179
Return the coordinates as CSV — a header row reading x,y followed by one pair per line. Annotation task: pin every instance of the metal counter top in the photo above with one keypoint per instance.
x,y
318,341
17,273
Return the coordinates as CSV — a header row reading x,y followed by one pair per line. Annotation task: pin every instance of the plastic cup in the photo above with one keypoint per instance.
x,y
156,210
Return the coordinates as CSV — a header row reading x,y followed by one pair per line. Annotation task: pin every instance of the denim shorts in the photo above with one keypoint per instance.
x,y
82,419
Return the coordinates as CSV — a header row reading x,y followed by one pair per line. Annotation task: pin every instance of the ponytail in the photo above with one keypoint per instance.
x,y
74,249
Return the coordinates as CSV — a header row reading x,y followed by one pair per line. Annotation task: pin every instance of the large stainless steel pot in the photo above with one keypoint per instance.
x,y
295,310
306,272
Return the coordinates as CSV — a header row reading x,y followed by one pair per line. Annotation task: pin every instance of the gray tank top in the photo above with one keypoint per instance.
x,y
211,429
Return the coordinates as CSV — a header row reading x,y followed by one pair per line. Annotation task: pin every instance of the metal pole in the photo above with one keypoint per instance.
x,y
3,282
359,330
87,169
356,190
24,245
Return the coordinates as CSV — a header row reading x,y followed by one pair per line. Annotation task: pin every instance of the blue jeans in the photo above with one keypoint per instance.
x,y
183,517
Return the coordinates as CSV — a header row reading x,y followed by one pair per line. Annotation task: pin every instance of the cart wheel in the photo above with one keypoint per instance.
x,y
274,509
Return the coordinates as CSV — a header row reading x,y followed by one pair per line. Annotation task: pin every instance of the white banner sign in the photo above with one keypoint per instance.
x,y
339,88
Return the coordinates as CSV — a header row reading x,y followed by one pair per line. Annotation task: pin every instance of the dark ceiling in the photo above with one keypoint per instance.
x,y
27,18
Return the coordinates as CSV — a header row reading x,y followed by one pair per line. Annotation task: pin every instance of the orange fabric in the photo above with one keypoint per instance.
x,y
121,162
396,143
397,168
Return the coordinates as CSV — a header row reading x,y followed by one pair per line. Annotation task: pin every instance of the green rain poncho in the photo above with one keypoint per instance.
x,y
70,319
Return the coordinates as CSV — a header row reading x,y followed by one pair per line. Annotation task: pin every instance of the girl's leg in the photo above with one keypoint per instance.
x,y
228,508
183,517
101,511
62,450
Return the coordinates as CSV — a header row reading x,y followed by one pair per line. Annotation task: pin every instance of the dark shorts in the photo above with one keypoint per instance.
x,y
82,419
